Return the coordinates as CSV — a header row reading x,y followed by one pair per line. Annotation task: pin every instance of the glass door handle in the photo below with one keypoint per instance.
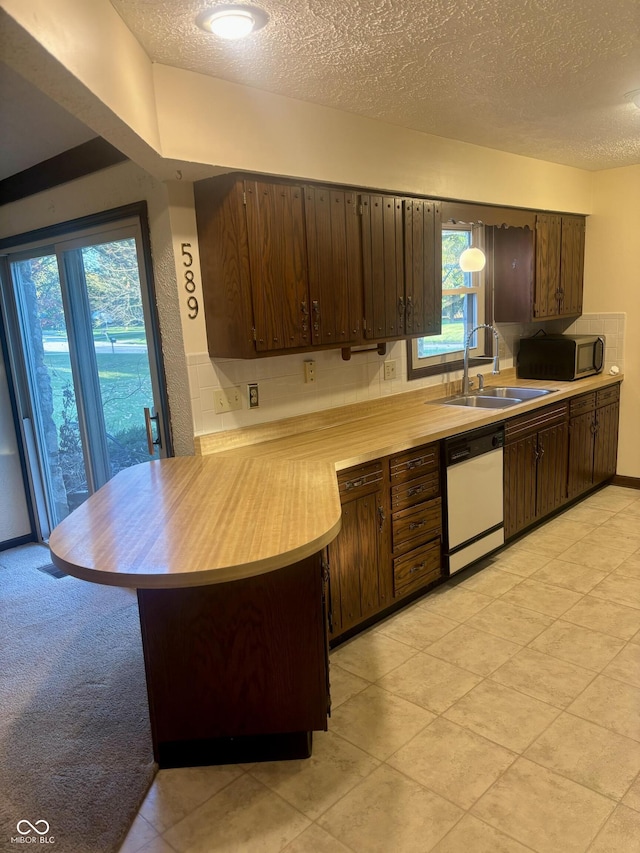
x,y
152,442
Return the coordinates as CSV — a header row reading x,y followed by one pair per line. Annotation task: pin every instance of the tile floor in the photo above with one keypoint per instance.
x,y
498,714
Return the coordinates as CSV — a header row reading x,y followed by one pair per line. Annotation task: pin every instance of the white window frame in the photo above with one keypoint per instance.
x,y
451,360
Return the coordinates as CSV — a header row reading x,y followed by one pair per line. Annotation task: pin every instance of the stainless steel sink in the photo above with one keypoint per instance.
x,y
518,393
478,401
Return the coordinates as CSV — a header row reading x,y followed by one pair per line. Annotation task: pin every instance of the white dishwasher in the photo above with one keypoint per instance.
x,y
475,519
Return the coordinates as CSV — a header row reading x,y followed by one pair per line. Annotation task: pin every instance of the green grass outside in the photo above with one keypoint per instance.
x,y
124,383
450,340
122,334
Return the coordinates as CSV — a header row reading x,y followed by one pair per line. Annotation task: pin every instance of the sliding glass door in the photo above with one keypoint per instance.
x,y
87,364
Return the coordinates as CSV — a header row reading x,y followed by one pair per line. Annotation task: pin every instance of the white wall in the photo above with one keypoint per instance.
x,y
612,283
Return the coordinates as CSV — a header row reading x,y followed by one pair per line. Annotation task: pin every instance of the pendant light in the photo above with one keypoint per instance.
x,y
472,260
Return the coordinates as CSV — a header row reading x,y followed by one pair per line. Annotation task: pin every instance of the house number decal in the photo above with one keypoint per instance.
x,y
189,282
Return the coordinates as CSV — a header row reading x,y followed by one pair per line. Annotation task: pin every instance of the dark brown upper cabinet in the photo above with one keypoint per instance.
x,y
335,268
281,266
278,265
401,261
538,275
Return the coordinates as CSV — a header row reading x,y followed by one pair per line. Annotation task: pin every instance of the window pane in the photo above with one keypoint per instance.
x,y
458,315
459,310
120,344
453,245
55,416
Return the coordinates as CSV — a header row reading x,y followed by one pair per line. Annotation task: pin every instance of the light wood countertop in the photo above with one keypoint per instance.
x,y
259,499
363,432
191,521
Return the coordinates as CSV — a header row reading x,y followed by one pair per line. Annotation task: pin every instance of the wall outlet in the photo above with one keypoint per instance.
x,y
226,400
390,369
253,396
309,371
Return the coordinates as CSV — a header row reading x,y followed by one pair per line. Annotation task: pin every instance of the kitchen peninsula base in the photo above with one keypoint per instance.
x,y
237,672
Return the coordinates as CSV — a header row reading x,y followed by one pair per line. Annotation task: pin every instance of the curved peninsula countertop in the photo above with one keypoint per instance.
x,y
192,521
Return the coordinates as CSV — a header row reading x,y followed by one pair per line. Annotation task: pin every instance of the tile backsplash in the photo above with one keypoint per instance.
x,y
284,393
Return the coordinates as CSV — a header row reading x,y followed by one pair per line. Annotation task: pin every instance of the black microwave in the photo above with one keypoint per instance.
x,y
560,357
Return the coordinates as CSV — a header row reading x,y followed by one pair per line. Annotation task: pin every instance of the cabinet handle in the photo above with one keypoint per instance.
x,y
416,525
416,490
381,518
401,307
409,307
415,463
353,484
417,568
315,308
541,453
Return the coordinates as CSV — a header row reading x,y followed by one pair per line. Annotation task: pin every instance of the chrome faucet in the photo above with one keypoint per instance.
x,y
495,358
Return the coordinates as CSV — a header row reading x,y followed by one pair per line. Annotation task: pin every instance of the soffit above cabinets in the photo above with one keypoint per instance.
x,y
542,78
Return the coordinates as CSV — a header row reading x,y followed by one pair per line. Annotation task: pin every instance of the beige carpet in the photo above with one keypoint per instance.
x,y
75,745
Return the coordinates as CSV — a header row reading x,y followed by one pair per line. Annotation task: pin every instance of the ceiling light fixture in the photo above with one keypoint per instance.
x,y
634,97
232,22
472,260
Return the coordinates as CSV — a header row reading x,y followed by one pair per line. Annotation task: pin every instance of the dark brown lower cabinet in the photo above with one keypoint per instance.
x,y
535,466
358,557
237,671
593,439
390,544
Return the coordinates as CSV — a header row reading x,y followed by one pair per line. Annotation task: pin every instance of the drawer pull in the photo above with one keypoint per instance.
x,y
416,525
416,490
353,484
418,567
415,463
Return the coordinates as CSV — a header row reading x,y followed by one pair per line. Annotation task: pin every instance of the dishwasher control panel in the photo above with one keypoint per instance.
x,y
472,444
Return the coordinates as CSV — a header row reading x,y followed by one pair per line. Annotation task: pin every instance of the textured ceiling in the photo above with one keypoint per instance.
x,y
543,78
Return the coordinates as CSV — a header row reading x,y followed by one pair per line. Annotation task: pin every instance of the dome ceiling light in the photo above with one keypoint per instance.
x,y
232,21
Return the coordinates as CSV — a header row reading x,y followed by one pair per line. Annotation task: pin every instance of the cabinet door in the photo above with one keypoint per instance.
x,y
358,560
571,266
606,442
335,265
382,266
277,258
581,436
520,461
552,452
422,268
547,284
513,273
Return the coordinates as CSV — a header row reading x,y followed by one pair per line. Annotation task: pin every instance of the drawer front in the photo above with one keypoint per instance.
x,y
414,463
585,403
417,569
608,395
519,427
359,480
417,524
410,492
